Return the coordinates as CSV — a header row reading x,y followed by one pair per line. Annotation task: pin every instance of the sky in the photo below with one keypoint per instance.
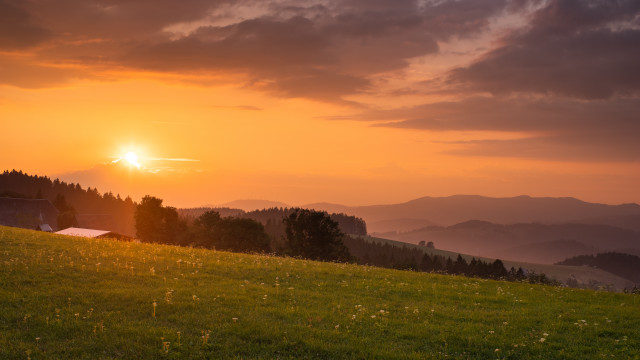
x,y
347,101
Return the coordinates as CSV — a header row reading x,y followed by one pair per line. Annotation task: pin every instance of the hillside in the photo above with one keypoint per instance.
x,y
574,274
78,298
538,243
455,209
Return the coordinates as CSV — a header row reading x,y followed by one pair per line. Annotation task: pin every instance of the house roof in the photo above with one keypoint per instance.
x,y
27,213
93,233
89,233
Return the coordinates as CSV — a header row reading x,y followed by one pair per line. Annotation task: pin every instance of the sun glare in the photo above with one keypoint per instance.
x,y
132,159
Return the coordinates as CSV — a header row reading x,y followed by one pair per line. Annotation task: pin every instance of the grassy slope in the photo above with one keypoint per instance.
x,y
582,274
285,308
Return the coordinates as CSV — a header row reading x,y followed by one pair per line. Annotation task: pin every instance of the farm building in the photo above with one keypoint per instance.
x,y
35,214
93,233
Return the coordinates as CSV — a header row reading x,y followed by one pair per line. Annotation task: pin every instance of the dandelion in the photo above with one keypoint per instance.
x,y
337,326
491,331
542,339
373,316
154,307
205,337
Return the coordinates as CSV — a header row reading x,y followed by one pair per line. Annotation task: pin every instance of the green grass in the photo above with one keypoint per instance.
x,y
57,302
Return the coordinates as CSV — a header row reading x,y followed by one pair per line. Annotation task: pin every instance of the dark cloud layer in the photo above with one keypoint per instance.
x,y
578,48
16,28
558,129
321,50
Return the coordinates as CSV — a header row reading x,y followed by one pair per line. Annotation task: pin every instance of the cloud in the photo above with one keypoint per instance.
x,y
323,50
578,48
173,159
238,107
17,31
557,129
25,73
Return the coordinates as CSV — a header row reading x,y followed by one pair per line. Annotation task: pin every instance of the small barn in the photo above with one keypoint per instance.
x,y
93,233
31,214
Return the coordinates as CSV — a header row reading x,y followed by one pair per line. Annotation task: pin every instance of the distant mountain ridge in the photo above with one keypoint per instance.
x,y
459,208
252,204
529,242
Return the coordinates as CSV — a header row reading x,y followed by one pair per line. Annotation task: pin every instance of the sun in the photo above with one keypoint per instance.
x,y
132,159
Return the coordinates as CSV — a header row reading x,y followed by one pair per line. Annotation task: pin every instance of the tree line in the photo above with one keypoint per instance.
x,y
412,258
307,234
70,199
624,265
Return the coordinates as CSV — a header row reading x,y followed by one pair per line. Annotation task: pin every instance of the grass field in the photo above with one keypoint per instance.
x,y
64,297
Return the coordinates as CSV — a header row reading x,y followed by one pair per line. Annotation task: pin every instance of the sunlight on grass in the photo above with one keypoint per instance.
x,y
79,298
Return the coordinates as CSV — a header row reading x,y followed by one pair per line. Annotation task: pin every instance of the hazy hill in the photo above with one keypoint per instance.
x,y
574,274
458,208
532,242
253,204
624,265
631,222
398,225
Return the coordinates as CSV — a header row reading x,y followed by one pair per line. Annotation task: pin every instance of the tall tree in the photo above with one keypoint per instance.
x,y
314,235
157,224
233,234
67,213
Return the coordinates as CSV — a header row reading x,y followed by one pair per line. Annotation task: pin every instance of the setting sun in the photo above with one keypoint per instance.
x,y
132,159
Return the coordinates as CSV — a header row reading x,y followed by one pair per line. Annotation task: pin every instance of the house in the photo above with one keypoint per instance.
x,y
93,233
28,213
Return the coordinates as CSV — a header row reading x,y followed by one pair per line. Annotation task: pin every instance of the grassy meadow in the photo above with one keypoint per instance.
x,y
74,298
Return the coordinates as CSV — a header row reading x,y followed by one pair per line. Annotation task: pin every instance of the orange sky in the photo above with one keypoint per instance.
x,y
348,102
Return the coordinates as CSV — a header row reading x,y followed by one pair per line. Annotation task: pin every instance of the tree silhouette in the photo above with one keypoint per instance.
x,y
232,234
314,235
157,224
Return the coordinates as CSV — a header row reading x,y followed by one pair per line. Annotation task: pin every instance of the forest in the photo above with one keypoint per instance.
x,y
623,265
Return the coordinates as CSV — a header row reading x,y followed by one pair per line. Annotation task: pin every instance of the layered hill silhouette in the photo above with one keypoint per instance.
x,y
455,209
529,242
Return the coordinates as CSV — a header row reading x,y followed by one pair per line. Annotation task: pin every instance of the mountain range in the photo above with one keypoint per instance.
x,y
447,211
